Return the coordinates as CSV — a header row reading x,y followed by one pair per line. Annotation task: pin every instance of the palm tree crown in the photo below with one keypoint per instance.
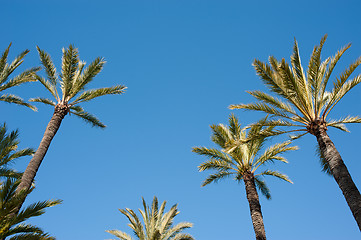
x,y
305,104
9,152
7,69
73,79
158,225
12,222
239,157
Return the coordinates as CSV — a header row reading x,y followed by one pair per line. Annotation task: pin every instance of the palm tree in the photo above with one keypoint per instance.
x,y
304,105
241,162
12,224
73,79
5,83
158,225
9,153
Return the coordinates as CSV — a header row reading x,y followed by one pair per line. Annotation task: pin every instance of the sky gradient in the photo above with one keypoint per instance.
x,y
184,62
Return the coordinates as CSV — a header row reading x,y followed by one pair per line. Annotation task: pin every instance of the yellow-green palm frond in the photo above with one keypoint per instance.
x,y
43,100
221,135
338,92
87,117
262,107
273,154
94,93
262,186
158,224
214,178
119,234
182,236
214,164
212,153
340,123
275,174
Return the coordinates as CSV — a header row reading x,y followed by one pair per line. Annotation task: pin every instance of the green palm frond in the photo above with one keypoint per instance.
x,y
87,76
212,153
24,77
11,225
216,177
91,94
262,186
43,100
275,174
87,117
10,98
69,69
325,167
49,86
214,164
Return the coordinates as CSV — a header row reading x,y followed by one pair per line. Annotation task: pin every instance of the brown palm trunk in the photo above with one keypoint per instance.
x,y
34,164
340,173
254,207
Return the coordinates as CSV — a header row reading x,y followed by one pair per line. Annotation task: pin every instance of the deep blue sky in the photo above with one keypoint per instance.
x,y
184,62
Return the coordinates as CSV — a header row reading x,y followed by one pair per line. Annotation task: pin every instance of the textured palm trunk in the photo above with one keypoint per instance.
x,y
340,173
254,207
33,166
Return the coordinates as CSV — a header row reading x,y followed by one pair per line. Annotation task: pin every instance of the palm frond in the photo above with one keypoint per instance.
x,y
87,117
10,98
87,76
26,76
94,93
43,100
69,69
262,186
214,164
340,124
119,234
216,177
275,174
212,153
49,86
49,68
325,167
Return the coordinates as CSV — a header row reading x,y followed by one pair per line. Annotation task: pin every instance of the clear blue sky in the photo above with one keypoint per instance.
x,y
184,62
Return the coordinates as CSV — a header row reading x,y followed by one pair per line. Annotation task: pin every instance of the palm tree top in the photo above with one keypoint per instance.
x,y
9,152
239,155
6,69
13,225
157,224
68,86
305,102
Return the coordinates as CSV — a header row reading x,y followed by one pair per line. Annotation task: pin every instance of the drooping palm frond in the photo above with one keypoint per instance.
x,y
158,224
262,186
275,174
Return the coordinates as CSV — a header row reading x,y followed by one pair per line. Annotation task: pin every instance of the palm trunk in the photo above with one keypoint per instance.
x,y
340,173
254,207
33,166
